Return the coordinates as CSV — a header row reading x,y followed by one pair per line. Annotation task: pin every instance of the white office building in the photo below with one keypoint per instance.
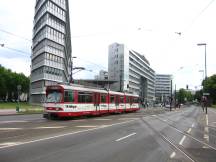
x,y
163,87
132,71
51,48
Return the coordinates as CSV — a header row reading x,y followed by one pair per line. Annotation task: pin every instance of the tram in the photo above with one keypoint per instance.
x,y
76,100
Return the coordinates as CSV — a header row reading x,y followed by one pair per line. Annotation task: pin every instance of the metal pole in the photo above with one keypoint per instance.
x,y
120,80
171,97
71,76
175,95
205,64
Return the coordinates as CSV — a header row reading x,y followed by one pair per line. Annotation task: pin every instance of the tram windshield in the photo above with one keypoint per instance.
x,y
53,96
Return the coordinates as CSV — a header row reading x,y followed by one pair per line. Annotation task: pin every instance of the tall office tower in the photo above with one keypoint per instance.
x,y
132,72
163,87
51,48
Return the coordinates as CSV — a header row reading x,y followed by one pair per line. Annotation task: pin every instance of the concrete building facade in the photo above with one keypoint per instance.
x,y
103,75
132,72
163,87
51,48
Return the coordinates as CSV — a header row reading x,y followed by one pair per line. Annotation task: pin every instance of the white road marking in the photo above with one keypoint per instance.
x,y
102,119
87,126
189,130
182,140
154,115
10,129
207,119
63,135
54,127
127,118
206,131
125,137
172,155
9,144
79,120
204,143
192,125
13,121
176,147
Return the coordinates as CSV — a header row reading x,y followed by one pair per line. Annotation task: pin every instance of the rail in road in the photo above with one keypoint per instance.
x,y
187,134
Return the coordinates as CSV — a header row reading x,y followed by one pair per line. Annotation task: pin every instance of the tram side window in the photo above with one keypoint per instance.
x,y
68,96
112,99
121,99
131,100
117,100
103,98
136,100
127,99
85,97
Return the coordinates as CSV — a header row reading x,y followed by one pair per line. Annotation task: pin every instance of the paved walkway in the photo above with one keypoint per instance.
x,y
8,112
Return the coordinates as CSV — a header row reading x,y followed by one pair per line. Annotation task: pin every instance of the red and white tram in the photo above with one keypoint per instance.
x,y
75,100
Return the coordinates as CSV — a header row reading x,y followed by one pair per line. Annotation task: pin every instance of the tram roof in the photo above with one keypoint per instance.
x,y
93,89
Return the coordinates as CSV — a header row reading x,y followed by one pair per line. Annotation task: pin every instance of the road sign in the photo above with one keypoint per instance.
x,y
206,94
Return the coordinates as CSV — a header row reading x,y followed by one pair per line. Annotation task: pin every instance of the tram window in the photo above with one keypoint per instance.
x,y
135,100
117,100
112,99
127,99
131,100
85,97
103,98
121,99
68,96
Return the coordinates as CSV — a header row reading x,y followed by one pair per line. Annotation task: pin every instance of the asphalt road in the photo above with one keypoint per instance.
x,y
185,135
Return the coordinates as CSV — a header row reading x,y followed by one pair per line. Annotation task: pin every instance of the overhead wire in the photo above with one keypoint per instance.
x,y
17,50
10,33
199,14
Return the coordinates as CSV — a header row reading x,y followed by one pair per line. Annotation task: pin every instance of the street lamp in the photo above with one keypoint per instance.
x,y
71,75
202,71
204,44
180,68
78,68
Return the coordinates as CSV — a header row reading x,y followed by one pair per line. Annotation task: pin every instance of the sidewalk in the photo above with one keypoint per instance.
x,y
8,112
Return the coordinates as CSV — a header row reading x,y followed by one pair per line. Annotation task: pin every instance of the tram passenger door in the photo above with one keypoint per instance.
x,y
97,101
117,102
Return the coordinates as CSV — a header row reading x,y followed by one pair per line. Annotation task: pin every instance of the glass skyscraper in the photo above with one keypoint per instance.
x,y
51,47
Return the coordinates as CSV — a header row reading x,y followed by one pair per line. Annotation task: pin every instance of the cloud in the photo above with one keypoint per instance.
x,y
19,65
100,23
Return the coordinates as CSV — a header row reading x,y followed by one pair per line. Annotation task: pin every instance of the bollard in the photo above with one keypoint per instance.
x,y
17,108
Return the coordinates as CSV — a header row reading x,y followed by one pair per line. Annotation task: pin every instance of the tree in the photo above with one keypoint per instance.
x,y
9,81
182,96
198,95
209,86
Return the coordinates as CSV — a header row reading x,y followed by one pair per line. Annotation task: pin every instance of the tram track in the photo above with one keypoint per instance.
x,y
195,149
166,139
185,133
185,123
197,128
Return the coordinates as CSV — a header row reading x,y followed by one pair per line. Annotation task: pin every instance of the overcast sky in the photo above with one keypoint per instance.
x,y
146,26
